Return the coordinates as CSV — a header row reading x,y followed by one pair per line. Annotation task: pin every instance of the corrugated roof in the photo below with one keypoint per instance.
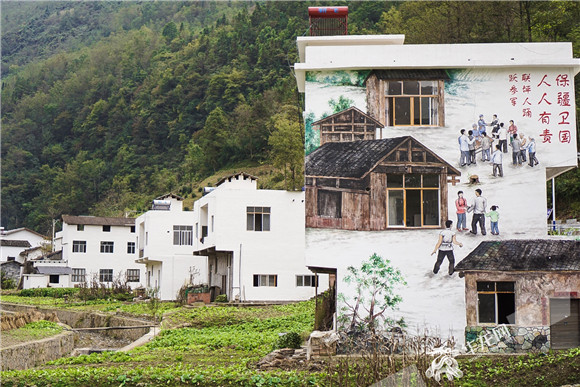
x,y
349,159
98,220
14,243
523,255
411,74
53,270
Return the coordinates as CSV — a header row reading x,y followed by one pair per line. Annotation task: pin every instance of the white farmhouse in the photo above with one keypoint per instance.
x,y
19,243
101,249
48,271
165,247
392,192
254,241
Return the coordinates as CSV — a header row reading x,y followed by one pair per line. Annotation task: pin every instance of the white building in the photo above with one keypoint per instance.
x,y
254,241
165,247
430,92
50,271
20,240
101,249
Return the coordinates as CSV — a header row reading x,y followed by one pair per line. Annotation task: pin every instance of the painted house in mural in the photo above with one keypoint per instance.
x,y
531,286
376,184
254,241
347,125
165,247
428,93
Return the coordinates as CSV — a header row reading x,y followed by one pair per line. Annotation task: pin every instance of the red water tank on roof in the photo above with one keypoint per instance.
x,y
327,11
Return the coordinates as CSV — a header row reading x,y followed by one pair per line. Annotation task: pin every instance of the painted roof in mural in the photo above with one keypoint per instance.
x,y
332,118
523,255
411,74
98,220
355,159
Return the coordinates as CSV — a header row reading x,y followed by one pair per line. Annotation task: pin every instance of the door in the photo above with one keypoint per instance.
x,y
565,323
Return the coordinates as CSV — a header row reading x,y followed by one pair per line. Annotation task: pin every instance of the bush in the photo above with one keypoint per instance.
x,y
48,292
6,282
221,298
288,340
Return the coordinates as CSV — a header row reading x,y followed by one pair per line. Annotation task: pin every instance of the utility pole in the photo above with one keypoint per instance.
x,y
554,203
53,227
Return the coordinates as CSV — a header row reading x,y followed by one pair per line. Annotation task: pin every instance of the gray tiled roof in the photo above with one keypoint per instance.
x,y
349,159
523,255
98,220
14,243
53,270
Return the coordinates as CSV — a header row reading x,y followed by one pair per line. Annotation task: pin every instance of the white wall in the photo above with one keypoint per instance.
x,y
32,281
93,260
279,251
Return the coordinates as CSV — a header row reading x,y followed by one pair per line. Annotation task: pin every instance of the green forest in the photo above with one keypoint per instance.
x,y
106,105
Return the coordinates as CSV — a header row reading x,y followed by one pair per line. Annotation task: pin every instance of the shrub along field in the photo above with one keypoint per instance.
x,y
220,345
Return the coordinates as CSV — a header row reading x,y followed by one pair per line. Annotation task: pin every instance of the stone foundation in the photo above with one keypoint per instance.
x,y
35,353
488,339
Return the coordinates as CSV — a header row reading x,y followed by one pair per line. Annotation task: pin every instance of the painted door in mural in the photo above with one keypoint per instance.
x,y
565,323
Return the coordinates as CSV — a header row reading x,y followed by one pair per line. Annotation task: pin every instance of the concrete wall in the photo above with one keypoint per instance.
x,y
80,319
32,354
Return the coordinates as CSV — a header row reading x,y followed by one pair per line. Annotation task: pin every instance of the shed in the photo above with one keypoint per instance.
x,y
348,125
376,184
530,286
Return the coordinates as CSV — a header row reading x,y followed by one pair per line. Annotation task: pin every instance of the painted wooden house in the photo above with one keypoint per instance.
x,y
348,125
530,286
376,185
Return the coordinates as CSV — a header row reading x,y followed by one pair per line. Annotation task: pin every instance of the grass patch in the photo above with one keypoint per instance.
x,y
30,332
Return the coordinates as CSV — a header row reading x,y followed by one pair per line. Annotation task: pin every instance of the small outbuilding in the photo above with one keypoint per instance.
x,y
530,287
376,185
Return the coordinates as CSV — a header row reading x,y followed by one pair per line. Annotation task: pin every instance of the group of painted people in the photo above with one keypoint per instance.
x,y
447,237
478,136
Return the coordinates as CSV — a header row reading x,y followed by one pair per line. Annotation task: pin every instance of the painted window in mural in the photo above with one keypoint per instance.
x,y
412,103
496,302
329,203
413,200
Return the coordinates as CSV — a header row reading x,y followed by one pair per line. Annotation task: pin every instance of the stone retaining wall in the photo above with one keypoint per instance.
x,y
35,353
482,339
81,319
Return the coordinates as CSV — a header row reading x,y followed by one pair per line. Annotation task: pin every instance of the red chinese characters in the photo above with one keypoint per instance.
x,y
547,136
564,136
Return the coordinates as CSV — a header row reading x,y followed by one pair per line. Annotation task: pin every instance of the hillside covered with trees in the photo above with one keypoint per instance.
x,y
106,105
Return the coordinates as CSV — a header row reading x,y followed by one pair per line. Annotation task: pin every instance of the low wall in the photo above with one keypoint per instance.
x,y
82,319
35,353
507,339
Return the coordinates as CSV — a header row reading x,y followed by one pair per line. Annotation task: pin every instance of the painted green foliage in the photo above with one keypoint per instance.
x,y
375,281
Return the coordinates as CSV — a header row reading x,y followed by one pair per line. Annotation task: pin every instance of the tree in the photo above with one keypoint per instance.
x,y
169,31
375,281
288,149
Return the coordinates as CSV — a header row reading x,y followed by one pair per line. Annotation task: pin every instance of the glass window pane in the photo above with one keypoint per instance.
x,y
416,111
402,111
412,180
429,87
506,308
433,112
266,222
395,181
411,87
395,88
486,306
299,280
307,280
258,222
504,286
431,181
250,222
431,207
485,286
272,279
395,207
413,216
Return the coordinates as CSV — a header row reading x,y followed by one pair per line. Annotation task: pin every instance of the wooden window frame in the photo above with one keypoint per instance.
x,y
405,189
495,292
439,97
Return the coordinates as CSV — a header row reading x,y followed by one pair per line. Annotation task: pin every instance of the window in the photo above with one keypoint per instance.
x,y
133,275
306,280
413,200
130,247
54,279
106,228
496,302
197,231
265,280
79,246
133,229
183,235
330,203
107,247
106,275
413,103
212,223
80,227
258,218
79,275
10,259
